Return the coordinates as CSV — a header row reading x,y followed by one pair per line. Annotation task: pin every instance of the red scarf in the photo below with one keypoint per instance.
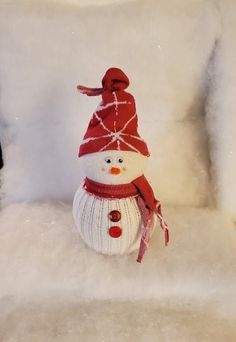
x,y
110,191
147,203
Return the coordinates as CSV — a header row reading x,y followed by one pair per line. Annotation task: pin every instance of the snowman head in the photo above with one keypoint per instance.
x,y
113,167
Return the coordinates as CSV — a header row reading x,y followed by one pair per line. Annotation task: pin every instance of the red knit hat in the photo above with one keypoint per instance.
x,y
114,123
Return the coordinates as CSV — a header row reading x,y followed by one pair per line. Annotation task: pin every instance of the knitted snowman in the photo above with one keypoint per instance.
x,y
115,209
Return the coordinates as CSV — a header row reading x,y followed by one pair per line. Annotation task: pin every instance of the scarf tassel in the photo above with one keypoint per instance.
x,y
147,215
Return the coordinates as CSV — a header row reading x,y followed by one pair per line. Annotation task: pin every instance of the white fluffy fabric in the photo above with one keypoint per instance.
x,y
50,280
147,321
200,261
221,109
165,49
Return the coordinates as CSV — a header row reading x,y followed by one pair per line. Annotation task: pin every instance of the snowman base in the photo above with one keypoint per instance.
x,y
110,226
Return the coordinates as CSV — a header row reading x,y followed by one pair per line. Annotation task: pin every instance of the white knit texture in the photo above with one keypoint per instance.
x,y
91,215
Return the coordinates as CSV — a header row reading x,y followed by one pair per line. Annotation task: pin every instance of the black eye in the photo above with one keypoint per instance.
x,y
120,160
108,160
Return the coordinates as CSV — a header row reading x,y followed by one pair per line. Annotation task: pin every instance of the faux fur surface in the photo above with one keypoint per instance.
x,y
41,240
165,49
221,107
147,321
53,288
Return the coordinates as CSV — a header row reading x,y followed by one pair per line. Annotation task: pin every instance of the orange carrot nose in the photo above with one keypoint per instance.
x,y
115,170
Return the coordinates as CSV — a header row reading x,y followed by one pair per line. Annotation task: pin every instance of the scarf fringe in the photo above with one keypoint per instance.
x,y
147,215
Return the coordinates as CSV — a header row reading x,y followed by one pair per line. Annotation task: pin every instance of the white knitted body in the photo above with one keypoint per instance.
x,y
91,215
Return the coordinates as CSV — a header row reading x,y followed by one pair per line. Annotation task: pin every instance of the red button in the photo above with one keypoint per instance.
x,y
115,232
114,215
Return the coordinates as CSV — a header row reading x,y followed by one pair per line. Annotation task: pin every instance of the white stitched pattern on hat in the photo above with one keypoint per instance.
x,y
110,104
116,111
130,146
108,144
133,136
101,122
115,102
85,141
114,135
132,118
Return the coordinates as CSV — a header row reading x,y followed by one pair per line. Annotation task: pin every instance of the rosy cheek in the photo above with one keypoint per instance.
x,y
124,168
103,169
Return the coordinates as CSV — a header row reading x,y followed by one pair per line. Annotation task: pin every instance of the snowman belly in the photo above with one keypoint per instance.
x,y
110,226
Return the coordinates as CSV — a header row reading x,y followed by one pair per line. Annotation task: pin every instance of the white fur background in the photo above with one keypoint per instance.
x,y
55,288
49,49
180,57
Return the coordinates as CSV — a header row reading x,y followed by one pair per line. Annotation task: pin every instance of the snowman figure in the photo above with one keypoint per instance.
x,y
115,208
